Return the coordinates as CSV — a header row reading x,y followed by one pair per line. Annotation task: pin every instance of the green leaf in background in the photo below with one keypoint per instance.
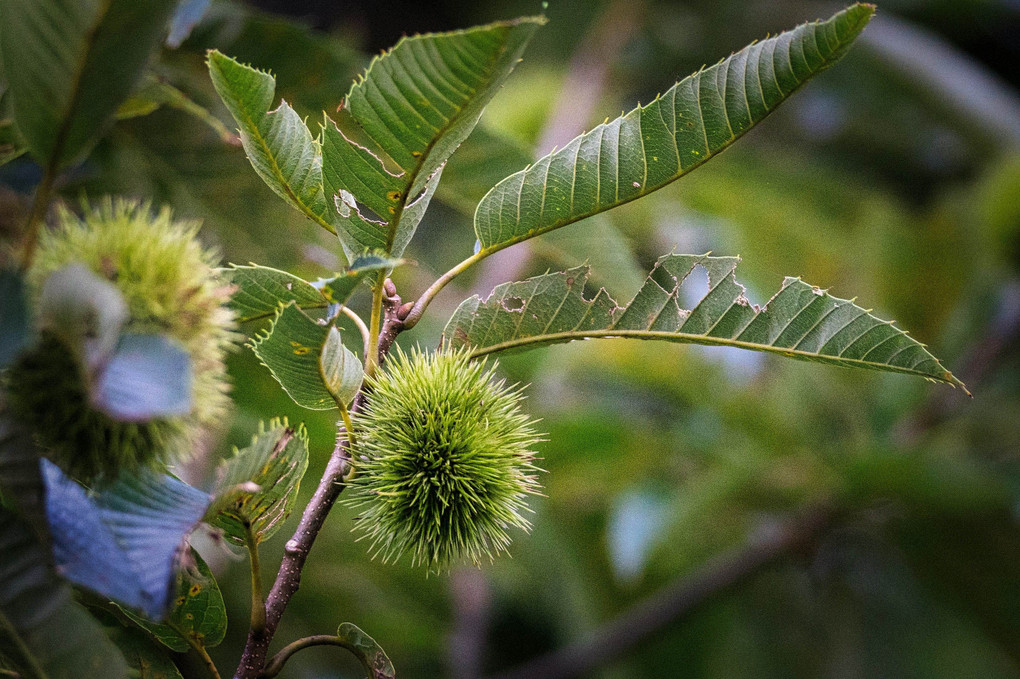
x,y
154,93
70,63
278,143
11,144
143,655
656,144
257,487
20,480
800,321
15,328
124,541
367,650
292,350
198,616
43,632
341,370
416,104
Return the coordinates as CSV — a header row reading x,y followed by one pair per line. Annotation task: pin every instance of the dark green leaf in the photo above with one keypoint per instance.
x,y
257,487
155,93
11,144
15,328
20,478
42,631
292,349
142,654
122,542
416,104
800,321
656,144
198,612
70,63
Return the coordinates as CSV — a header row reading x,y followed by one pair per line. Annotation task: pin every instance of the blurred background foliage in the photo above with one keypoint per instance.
x,y
894,177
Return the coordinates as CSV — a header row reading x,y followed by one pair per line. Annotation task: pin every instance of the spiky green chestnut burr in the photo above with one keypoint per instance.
x,y
444,460
168,285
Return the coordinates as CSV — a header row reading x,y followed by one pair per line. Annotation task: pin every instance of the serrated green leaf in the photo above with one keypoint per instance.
x,y
368,651
70,63
339,289
800,321
341,370
261,290
656,144
257,487
291,349
43,632
416,104
198,612
278,143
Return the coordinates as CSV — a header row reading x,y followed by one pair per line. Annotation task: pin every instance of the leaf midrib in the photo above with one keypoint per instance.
x,y
696,339
426,154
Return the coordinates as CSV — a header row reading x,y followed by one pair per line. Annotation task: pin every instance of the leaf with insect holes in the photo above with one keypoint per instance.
x,y
656,144
257,487
800,321
415,104
292,348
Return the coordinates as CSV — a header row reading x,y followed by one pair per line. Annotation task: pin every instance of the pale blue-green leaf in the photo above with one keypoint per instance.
x,y
43,632
148,376
656,144
257,487
122,542
186,17
70,63
800,321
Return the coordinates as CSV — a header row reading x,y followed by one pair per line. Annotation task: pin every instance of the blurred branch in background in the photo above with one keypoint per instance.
x,y
948,79
717,576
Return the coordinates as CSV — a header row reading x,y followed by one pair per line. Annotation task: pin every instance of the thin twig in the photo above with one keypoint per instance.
x,y
199,648
680,598
362,328
416,312
288,578
276,663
